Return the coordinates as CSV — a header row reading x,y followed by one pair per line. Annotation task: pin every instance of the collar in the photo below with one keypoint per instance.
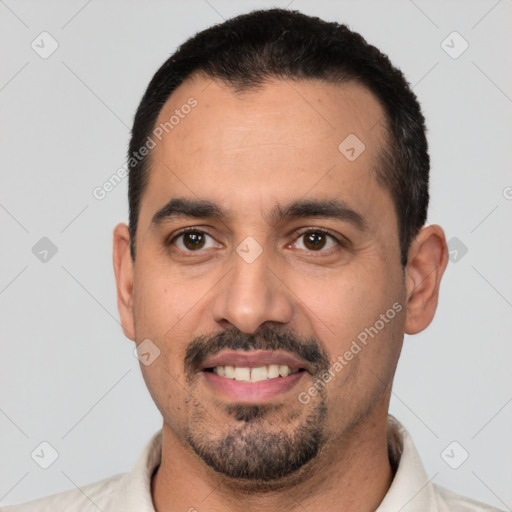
x,y
410,489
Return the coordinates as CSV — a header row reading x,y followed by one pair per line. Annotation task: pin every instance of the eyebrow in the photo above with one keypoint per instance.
x,y
337,209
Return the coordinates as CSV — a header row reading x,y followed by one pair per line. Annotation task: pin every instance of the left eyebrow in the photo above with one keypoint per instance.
x,y
330,209
302,208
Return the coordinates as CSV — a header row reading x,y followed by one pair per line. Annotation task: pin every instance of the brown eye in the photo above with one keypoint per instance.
x,y
314,240
192,240
317,240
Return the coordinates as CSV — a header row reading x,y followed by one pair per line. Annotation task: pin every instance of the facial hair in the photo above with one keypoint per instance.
x,y
261,446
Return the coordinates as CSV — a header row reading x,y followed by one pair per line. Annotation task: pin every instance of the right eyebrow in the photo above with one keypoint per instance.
x,y
183,207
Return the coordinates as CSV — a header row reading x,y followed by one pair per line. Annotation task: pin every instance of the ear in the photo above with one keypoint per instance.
x,y
427,260
123,270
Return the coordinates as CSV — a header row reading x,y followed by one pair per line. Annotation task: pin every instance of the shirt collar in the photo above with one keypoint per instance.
x,y
410,490
134,491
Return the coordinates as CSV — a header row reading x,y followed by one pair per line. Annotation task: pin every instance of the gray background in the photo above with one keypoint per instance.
x,y
67,373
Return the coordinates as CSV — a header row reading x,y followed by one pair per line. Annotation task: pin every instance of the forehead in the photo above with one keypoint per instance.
x,y
309,111
283,140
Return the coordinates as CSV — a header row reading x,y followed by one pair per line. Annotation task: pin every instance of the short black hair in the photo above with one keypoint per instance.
x,y
250,49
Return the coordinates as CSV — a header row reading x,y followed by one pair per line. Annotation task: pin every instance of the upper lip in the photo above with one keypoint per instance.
x,y
255,358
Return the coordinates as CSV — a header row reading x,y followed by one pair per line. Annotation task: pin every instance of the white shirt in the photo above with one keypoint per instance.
x,y
410,490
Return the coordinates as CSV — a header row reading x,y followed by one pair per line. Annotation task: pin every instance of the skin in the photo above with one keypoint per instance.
x,y
247,152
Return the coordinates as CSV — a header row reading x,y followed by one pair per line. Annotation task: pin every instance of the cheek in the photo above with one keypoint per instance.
x,y
162,303
361,328
162,312
362,310
348,304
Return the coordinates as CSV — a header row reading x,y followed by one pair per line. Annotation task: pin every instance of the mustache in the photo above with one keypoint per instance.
x,y
266,338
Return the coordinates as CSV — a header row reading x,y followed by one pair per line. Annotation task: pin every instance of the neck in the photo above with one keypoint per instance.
x,y
351,474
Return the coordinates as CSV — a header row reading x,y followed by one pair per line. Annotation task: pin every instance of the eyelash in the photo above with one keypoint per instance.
x,y
340,242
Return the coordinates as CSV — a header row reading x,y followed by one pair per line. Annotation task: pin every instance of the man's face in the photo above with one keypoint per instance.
x,y
256,288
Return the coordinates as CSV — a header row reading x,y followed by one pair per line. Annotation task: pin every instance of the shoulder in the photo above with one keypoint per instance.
x,y
122,492
92,497
453,502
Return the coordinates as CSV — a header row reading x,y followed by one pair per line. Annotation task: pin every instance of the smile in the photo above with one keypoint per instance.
x,y
257,374
252,376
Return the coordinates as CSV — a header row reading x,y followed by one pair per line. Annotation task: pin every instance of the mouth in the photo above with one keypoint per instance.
x,y
257,374
253,376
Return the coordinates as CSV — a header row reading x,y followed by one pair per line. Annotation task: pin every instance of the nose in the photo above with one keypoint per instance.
x,y
252,294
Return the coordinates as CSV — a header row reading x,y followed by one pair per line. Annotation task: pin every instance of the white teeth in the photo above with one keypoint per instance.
x,y
273,371
229,372
242,373
284,370
257,374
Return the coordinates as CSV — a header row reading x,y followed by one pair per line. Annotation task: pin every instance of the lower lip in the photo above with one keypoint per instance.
x,y
251,392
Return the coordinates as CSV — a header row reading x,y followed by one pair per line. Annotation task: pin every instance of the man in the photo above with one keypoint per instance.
x,y
275,256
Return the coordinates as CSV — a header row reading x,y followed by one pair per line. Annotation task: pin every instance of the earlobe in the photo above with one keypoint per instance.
x,y
123,270
428,257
